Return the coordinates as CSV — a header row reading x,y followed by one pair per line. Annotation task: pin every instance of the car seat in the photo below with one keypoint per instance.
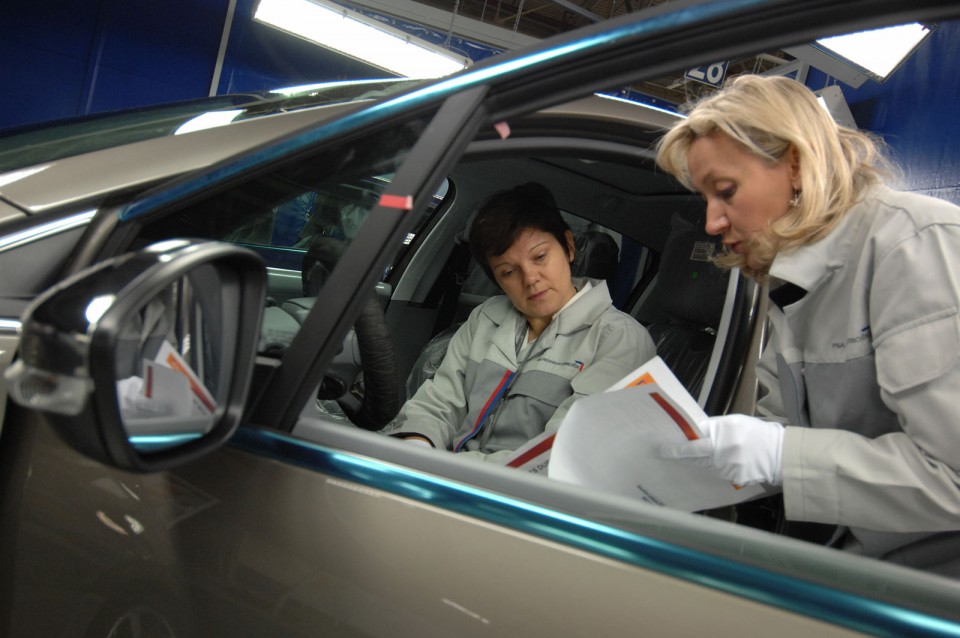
x,y
683,311
596,255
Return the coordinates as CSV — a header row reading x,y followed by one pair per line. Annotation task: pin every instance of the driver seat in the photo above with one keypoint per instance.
x,y
684,309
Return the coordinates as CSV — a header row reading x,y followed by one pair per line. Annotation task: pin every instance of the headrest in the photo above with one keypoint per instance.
x,y
596,256
692,288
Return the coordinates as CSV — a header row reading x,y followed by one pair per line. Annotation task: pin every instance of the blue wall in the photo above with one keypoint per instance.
x,y
60,58
71,57
916,113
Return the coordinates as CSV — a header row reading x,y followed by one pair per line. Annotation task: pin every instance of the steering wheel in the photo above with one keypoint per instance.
x,y
364,377
371,402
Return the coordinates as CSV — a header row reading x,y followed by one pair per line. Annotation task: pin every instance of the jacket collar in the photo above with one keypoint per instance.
x,y
578,316
585,310
808,266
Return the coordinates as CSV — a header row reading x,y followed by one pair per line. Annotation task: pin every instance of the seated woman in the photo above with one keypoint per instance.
x,y
519,361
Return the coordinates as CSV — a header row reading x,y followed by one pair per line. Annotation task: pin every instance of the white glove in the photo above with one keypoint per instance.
x,y
745,450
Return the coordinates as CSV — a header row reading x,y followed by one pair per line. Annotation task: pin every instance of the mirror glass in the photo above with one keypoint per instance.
x,y
170,363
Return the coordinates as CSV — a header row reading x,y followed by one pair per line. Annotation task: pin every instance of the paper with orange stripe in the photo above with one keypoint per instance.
x,y
611,441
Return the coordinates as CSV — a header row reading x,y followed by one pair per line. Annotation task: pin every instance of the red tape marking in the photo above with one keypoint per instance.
x,y
402,202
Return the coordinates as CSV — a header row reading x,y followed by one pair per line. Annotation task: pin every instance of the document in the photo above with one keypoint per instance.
x,y
611,441
534,455
196,396
168,399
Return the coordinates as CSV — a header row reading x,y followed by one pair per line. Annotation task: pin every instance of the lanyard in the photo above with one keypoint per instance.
x,y
492,407
492,404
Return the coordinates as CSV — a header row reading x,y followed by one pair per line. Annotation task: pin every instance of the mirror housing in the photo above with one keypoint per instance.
x,y
85,339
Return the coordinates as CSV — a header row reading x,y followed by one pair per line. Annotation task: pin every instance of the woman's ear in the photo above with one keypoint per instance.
x,y
571,246
793,164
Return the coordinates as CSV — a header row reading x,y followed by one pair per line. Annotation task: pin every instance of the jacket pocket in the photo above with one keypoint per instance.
x,y
919,351
542,387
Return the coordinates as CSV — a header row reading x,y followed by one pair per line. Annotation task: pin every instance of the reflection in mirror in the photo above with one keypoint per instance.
x,y
168,380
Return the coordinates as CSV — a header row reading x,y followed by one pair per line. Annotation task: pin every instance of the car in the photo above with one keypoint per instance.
x,y
308,264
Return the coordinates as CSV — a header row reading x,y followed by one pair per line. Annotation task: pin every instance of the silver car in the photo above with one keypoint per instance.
x,y
308,258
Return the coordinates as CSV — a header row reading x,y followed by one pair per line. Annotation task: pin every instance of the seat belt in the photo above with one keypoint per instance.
x,y
450,283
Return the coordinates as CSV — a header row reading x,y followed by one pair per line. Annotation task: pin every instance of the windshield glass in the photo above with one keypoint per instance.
x,y
28,146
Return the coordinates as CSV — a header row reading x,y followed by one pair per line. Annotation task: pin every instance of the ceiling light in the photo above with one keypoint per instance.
x,y
856,57
879,51
355,35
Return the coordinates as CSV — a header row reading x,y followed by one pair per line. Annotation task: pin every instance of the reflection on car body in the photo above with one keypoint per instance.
x,y
303,524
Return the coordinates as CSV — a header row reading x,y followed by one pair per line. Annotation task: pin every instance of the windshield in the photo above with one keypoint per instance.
x,y
28,146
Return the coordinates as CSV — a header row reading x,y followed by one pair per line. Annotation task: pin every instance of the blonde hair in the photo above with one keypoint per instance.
x,y
768,115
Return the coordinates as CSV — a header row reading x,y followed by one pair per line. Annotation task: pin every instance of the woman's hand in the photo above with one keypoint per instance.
x,y
746,450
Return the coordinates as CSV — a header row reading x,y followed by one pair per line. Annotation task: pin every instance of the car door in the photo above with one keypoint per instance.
x,y
349,533
54,527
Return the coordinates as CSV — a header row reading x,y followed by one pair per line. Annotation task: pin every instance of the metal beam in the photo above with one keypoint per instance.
x,y
445,21
576,8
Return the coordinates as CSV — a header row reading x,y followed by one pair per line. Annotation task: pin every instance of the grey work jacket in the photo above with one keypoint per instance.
x,y
865,369
484,401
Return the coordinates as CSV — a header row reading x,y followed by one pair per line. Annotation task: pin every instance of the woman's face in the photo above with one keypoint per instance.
x,y
744,193
534,273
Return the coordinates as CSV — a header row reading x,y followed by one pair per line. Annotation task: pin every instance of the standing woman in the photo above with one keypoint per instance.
x,y
863,362
521,359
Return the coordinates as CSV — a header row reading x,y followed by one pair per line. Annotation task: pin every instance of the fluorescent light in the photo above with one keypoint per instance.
x,y
353,34
879,51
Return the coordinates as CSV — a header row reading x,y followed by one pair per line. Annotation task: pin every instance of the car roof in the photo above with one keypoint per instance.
x,y
84,180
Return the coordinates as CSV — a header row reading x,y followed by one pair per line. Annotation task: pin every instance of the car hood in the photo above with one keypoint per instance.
x,y
84,180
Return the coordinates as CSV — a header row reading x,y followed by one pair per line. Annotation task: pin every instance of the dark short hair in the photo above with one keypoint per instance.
x,y
504,215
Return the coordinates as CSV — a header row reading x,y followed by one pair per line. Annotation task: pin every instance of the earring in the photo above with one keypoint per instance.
x,y
796,199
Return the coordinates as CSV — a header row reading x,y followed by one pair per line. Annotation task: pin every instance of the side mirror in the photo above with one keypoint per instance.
x,y
144,361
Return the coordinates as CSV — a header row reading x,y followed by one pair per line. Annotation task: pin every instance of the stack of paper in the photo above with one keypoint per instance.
x,y
611,441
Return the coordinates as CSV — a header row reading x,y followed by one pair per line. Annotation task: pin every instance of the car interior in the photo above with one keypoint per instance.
x,y
635,227
648,246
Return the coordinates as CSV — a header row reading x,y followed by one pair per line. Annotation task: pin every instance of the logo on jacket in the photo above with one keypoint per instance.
x,y
864,334
568,364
